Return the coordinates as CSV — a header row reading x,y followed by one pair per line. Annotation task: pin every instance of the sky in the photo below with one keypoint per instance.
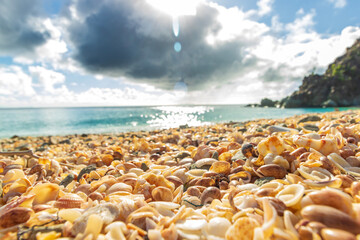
x,y
166,52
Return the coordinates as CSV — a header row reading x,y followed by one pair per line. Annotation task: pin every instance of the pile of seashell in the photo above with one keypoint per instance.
x,y
293,178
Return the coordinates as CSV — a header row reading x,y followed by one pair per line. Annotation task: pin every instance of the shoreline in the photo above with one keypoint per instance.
x,y
178,180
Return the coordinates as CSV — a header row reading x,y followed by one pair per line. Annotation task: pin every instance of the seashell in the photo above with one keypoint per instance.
x,y
245,201
278,205
353,161
192,225
205,181
339,162
202,152
272,170
162,194
271,145
96,196
94,225
15,216
332,198
13,175
291,194
220,167
325,146
210,194
218,226
331,217
119,187
192,202
243,176
205,163
335,234
41,207
279,160
11,167
315,173
159,180
45,192
69,214
248,150
243,227
138,217
297,152
175,180
154,234
275,128
334,183
85,188
193,191
69,200
290,221
108,212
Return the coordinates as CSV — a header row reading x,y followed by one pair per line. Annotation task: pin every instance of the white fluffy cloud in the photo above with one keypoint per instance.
x,y
14,82
47,78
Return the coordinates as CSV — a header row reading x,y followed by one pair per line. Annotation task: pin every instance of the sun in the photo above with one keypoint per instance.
x,y
175,8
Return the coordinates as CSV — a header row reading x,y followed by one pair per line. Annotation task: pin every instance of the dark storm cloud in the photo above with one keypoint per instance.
x,y
131,38
17,31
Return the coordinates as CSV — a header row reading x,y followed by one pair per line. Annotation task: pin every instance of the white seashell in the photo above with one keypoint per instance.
x,y
13,175
245,201
117,224
166,205
69,214
205,161
291,194
315,173
94,225
193,173
313,136
137,171
154,234
290,221
192,225
248,186
188,235
218,226
269,158
338,160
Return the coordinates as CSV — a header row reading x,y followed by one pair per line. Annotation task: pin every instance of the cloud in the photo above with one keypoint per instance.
x,y
19,30
13,81
338,3
135,40
47,78
265,6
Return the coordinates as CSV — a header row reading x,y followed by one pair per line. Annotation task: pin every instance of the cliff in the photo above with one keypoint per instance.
x,y
339,86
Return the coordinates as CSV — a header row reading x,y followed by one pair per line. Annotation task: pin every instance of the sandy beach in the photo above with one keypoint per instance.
x,y
291,178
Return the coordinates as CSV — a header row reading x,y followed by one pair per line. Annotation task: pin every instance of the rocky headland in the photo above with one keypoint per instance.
x,y
339,86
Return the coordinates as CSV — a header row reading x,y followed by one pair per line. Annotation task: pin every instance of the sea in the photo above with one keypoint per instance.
x,y
79,120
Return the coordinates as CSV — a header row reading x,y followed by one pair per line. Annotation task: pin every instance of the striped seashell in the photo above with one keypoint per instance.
x,y
69,201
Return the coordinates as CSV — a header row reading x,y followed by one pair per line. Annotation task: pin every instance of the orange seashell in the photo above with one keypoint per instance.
x,y
69,201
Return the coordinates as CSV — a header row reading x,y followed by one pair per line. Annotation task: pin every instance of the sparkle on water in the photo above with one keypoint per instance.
x,y
62,121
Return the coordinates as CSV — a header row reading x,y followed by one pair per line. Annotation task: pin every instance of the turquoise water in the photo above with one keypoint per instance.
x,y
63,121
